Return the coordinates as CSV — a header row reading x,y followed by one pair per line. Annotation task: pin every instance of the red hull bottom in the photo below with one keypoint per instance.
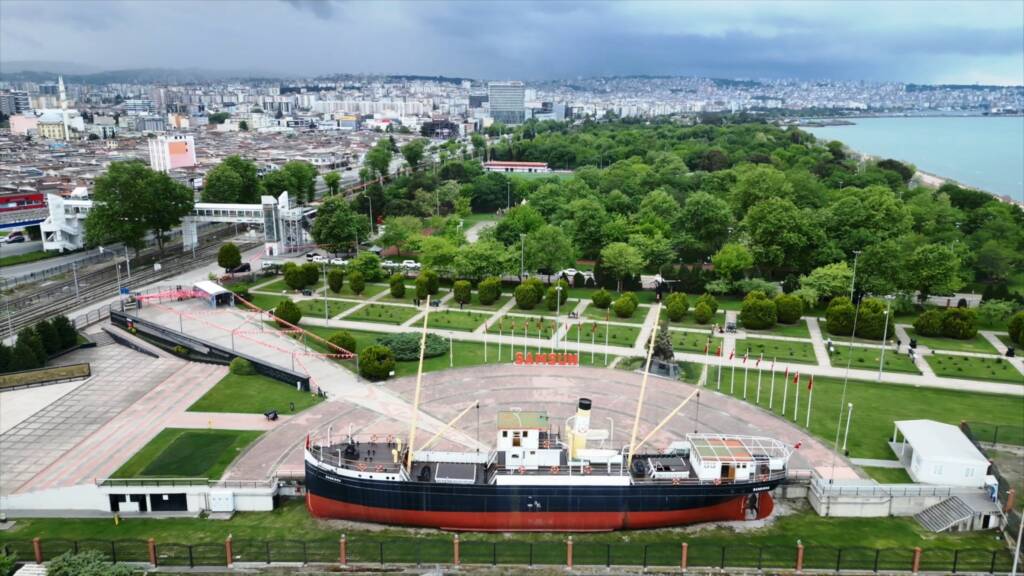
x,y
537,521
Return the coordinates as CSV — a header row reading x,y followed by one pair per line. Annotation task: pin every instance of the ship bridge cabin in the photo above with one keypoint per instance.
x,y
525,442
719,459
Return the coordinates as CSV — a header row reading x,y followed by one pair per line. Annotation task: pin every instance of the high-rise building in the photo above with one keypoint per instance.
x,y
167,152
507,101
14,102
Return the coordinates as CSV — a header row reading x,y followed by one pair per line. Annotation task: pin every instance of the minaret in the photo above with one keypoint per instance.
x,y
63,107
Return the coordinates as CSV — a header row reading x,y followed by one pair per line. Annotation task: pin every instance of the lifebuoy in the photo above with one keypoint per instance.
x,y
587,469
521,469
362,466
546,443
555,469
373,438
718,481
379,468
676,481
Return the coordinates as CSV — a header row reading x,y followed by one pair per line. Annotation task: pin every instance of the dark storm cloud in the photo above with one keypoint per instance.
x,y
914,41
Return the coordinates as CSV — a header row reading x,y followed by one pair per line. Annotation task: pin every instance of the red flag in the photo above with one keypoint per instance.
x,y
593,327
787,373
706,345
731,354
718,351
758,363
745,354
796,378
810,382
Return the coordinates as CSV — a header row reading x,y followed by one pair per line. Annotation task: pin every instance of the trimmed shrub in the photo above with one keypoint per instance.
x,y
406,346
602,299
294,277
376,362
537,286
625,305
397,283
241,290
710,300
959,323
356,282
85,563
368,264
758,312
702,313
288,312
1017,328
553,298
871,320
749,285
790,284
335,280
241,367
422,287
839,316
433,281
929,323
23,356
311,271
676,306
343,339
49,337
5,357
180,350
489,290
462,291
34,344
526,297
66,331
789,308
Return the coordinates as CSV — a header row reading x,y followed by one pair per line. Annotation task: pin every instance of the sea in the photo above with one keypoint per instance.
x,y
984,152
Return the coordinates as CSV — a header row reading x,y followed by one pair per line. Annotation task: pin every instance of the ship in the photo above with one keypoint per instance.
x,y
542,477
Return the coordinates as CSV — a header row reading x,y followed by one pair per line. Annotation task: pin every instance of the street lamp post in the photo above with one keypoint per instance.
x,y
558,313
849,415
508,195
885,335
522,256
853,282
326,319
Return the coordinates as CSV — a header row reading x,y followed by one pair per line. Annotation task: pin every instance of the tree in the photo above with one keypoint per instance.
x,y
482,259
526,296
396,285
251,189
333,182
223,185
758,312
702,313
732,260
663,345
130,200
229,257
368,264
462,291
337,227
437,252
311,271
601,299
243,126
413,152
929,323
433,281
829,281
1016,328
622,260
758,184
356,282
780,233
49,337
585,221
66,331
218,118
996,259
790,308
519,220
294,276
839,316
398,230
705,222
872,319
489,290
553,297
378,159
548,249
676,306
655,249
303,177
5,360
625,305
23,356
933,269
344,340
85,563
709,300
376,362
959,323
278,182
287,313
335,280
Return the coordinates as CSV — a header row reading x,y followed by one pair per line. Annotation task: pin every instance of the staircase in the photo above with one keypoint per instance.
x,y
945,514
101,338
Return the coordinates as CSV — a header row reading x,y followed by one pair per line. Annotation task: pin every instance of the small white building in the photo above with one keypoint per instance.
x,y
937,453
517,167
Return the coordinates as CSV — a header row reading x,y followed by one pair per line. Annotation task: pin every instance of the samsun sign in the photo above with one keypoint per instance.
x,y
549,359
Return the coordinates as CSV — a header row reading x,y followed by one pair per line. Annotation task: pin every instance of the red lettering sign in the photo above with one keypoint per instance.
x,y
550,359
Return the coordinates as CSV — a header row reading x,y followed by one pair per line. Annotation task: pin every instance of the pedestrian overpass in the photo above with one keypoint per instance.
x,y
21,218
285,227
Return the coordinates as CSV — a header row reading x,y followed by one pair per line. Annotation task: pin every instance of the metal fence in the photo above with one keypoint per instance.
x,y
997,433
1013,516
470,551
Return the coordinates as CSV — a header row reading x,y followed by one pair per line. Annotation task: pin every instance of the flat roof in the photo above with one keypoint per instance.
x,y
939,442
211,288
522,420
524,164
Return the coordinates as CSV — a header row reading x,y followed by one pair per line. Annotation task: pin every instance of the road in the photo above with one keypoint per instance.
x,y
22,248
46,264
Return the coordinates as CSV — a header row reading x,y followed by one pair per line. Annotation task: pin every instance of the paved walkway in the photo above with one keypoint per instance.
x,y
876,463
919,361
818,342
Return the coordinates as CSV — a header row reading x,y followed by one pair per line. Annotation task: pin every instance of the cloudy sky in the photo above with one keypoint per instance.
x,y
917,41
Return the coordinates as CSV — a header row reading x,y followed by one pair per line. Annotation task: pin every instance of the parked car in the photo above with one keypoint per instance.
x,y
568,273
390,265
319,259
410,265
338,262
15,239
310,256
243,267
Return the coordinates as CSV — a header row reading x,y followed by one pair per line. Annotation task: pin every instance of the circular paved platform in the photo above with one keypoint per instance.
x,y
551,388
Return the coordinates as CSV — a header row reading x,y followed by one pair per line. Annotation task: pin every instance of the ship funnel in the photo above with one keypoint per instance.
x,y
582,422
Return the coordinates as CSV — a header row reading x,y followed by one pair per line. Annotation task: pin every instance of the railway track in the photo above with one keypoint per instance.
x,y
100,285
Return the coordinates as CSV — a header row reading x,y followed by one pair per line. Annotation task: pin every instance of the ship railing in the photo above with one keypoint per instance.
x,y
337,461
183,482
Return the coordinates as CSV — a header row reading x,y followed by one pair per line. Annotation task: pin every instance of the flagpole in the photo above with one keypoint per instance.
x,y
746,370
485,344
771,395
526,336
540,326
501,336
719,385
593,335
810,398
732,378
759,371
796,400
606,340
579,347
785,394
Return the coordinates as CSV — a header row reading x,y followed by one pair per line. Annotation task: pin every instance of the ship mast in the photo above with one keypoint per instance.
x,y
416,396
643,389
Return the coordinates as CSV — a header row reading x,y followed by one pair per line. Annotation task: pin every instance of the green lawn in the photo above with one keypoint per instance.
x,y
541,310
481,217
798,330
410,294
187,453
383,313
889,475
315,308
876,407
693,342
290,521
617,335
870,358
689,322
369,291
973,368
476,305
455,320
781,350
594,313
28,257
514,326
1005,339
278,286
254,395
266,301
976,344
